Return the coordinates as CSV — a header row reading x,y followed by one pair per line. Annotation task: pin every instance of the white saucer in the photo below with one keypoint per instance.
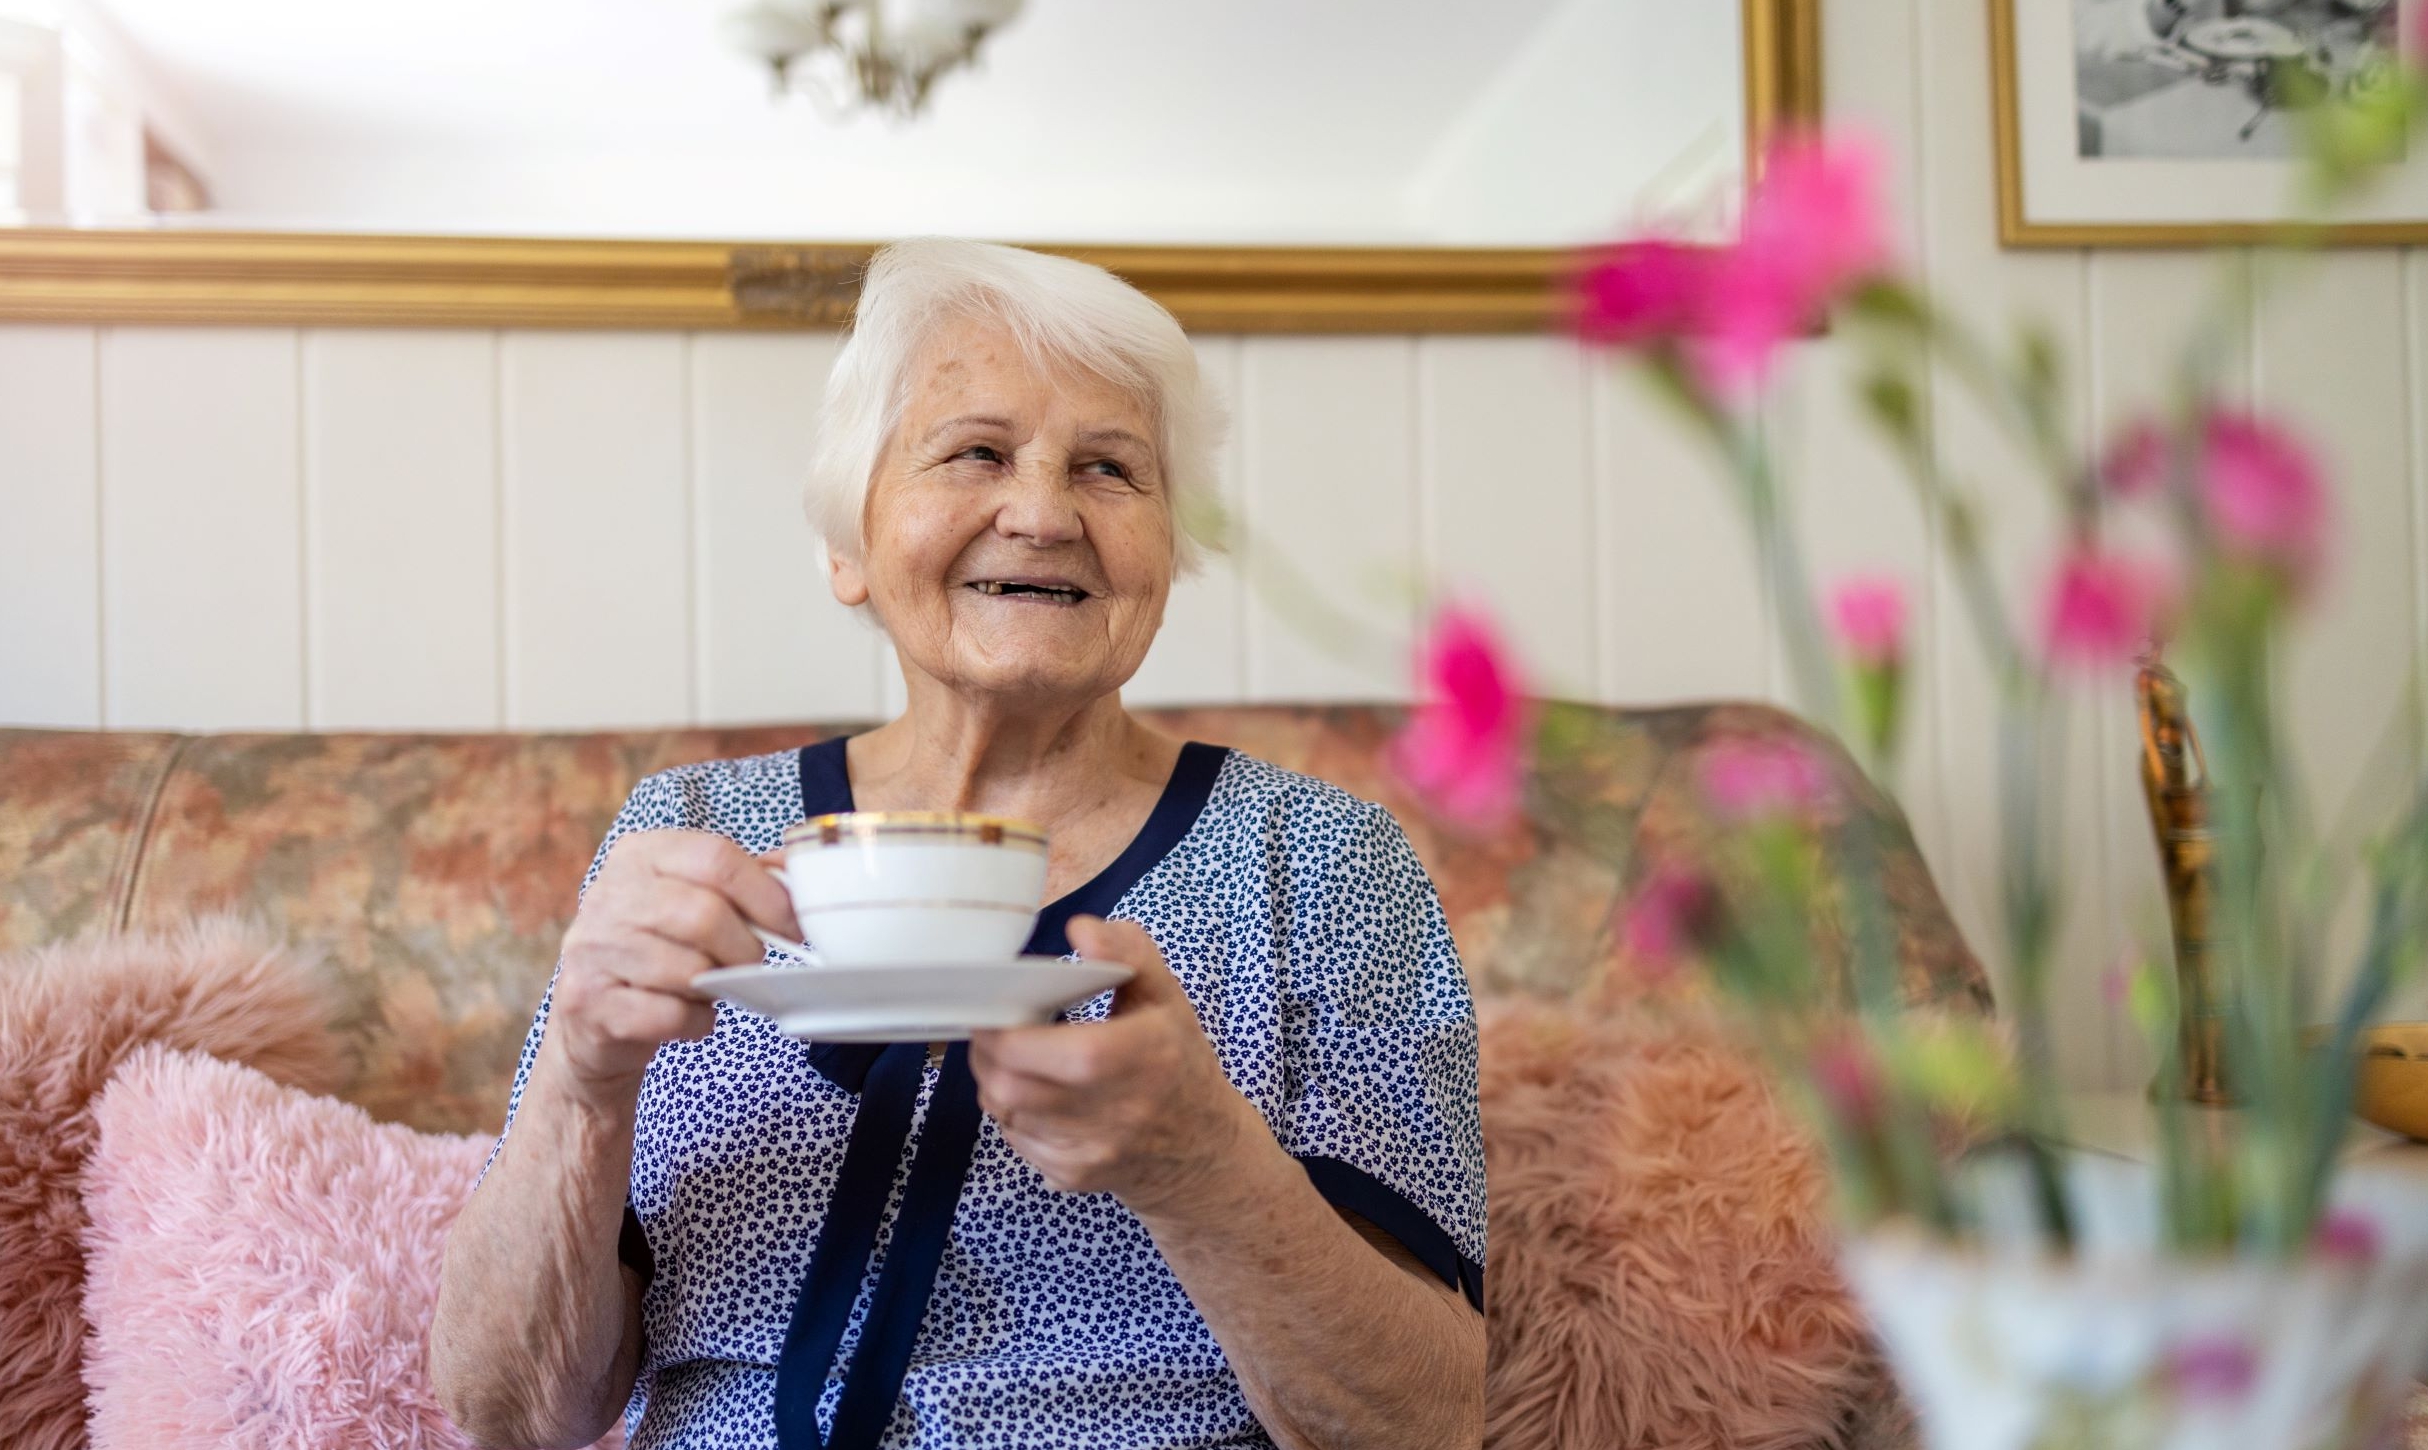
x,y
926,1002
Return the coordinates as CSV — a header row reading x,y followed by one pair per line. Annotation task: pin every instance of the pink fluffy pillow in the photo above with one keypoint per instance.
x,y
1663,1271
263,1264
69,1014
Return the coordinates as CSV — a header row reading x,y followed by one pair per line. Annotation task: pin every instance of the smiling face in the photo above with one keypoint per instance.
x,y
1017,538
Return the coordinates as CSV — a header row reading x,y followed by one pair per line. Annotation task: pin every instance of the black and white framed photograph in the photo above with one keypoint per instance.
x,y
2157,122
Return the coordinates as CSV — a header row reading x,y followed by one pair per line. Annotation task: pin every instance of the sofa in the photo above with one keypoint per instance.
x,y
430,876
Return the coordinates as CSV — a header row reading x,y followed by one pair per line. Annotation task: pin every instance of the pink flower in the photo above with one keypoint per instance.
x,y
1668,914
1869,617
2213,1368
1464,748
1753,779
1846,1075
2135,462
2265,494
2102,608
1643,292
1813,230
2348,1235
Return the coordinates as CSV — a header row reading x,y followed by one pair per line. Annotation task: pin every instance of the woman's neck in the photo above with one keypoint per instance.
x,y
1049,763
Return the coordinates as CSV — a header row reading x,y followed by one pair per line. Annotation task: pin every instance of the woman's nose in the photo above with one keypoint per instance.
x,y
1038,506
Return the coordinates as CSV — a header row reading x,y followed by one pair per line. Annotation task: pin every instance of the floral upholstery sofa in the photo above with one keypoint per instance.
x,y
431,877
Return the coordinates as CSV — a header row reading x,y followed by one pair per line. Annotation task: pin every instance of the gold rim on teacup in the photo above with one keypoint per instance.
x,y
830,830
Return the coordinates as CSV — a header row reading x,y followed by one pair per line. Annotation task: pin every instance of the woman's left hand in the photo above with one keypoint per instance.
x,y
1136,1105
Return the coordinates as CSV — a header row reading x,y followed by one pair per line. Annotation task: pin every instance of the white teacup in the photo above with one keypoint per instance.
x,y
898,888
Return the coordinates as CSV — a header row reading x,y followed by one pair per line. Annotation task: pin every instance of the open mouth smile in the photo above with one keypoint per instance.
x,y
1032,591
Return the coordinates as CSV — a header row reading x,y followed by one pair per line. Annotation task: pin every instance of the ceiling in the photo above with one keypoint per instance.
x,y
1188,114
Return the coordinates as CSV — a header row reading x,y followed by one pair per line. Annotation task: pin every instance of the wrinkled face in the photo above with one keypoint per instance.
x,y
1017,540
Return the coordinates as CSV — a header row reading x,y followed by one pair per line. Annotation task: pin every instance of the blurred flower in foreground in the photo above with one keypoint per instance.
x,y
1750,780
2213,1369
2348,1235
1464,748
1846,1075
2101,609
1641,292
1868,617
2135,462
1813,231
2265,495
1665,921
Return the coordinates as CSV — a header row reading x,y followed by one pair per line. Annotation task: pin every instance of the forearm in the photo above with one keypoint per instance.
x,y
536,1338
1335,1345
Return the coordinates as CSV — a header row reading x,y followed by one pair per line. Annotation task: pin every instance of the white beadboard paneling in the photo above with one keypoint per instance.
x,y
1991,290
2412,1002
1678,597
1852,509
2332,362
1326,426
1505,469
596,549
1197,658
773,643
50,546
201,549
400,529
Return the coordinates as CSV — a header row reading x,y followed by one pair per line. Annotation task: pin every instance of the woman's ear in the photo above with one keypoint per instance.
x,y
844,577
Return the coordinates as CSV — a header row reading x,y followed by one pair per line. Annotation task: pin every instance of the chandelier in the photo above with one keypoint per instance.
x,y
854,56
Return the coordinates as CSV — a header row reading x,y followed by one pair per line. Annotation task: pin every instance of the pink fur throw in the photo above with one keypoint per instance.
x,y
263,1264
68,1014
1662,1270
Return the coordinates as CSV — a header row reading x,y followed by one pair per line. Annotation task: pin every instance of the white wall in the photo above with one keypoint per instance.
x,y
281,528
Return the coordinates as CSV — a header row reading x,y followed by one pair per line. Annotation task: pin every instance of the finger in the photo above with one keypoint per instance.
x,y
1009,1097
634,1015
628,955
712,861
1062,1054
1127,943
698,917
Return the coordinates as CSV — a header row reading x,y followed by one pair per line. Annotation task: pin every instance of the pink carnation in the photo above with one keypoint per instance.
x,y
2135,462
1669,912
1753,779
2213,1369
1869,618
2101,609
2348,1235
2265,494
1846,1074
1642,292
1464,748
1814,228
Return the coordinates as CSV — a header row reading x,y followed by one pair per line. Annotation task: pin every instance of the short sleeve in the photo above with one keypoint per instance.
x,y
1379,1051
652,805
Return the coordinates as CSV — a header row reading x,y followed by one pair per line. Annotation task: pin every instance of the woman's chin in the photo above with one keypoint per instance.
x,y
1040,676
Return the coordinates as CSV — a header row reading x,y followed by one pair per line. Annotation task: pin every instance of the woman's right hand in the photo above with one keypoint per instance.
x,y
665,907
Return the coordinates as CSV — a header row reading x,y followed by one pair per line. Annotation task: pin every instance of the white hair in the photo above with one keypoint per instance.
x,y
1060,311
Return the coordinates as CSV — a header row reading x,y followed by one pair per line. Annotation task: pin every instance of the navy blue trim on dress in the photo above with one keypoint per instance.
x,y
1347,1186
847,1235
887,1079
632,1247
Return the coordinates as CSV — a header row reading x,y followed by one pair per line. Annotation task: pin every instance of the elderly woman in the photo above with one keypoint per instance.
x,y
1239,1201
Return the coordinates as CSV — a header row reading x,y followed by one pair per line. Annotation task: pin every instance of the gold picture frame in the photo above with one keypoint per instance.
x,y
2017,229
290,279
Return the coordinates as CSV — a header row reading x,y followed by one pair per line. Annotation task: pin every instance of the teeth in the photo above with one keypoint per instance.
x,y
993,587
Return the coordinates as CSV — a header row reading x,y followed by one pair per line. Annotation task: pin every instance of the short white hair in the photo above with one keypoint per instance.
x,y
1061,311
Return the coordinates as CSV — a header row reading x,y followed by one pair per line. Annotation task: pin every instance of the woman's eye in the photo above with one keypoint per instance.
x,y
982,453
1111,468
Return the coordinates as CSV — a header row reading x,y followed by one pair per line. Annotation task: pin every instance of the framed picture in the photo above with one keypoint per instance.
x,y
2172,122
